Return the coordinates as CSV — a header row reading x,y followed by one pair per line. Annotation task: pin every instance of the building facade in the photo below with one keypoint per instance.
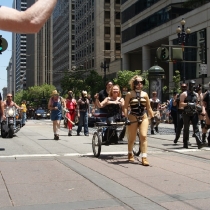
x,y
63,39
39,55
9,77
146,25
98,35
19,52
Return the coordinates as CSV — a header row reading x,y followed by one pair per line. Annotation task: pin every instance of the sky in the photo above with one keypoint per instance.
x,y
7,54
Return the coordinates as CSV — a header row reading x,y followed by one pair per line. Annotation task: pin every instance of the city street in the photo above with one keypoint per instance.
x,y
39,173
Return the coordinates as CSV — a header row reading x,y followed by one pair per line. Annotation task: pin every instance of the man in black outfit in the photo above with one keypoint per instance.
x,y
189,101
103,94
179,113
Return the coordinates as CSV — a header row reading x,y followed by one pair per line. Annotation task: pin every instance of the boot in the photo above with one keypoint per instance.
x,y
208,139
204,138
131,157
70,133
198,140
144,161
156,129
152,132
175,140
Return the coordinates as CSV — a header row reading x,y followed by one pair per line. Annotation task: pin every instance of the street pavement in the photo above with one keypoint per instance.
x,y
39,173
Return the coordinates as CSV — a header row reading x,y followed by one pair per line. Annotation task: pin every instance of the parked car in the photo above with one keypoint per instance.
x,y
41,114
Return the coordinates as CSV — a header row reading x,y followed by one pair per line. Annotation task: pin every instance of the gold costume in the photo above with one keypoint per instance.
x,y
139,102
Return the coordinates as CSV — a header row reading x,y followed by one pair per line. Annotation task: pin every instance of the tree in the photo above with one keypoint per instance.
x,y
94,82
36,95
123,78
76,82
176,81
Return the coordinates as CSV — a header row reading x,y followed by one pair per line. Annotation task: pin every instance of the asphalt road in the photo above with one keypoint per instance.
x,y
37,172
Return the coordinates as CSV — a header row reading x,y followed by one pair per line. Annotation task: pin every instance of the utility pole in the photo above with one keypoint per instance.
x,y
104,66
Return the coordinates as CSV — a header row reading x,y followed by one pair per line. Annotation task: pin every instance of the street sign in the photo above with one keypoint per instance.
x,y
203,68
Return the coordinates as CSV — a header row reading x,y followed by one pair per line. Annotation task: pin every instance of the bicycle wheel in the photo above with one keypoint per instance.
x,y
137,147
96,144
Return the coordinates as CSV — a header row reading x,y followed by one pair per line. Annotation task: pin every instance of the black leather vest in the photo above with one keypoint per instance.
x,y
191,98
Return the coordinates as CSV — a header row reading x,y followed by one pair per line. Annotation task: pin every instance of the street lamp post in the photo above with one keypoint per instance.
x,y
183,36
105,66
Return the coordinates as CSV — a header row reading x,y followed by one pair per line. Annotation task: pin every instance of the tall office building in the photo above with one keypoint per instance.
x,y
63,39
39,55
98,35
147,24
19,52
9,77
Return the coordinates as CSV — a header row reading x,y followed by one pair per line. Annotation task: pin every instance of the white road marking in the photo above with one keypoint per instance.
x,y
102,153
30,155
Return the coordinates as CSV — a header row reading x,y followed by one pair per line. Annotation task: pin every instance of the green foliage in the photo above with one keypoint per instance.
x,y
123,78
77,82
176,81
35,94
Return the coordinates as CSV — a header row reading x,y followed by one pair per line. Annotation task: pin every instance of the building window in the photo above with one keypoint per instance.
x,y
107,14
107,30
117,46
117,30
107,46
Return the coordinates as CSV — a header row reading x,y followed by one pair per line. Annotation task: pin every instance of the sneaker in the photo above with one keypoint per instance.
x,y
86,134
78,134
56,137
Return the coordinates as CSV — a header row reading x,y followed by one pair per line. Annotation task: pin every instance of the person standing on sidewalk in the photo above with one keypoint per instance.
x,y
137,101
155,105
189,101
173,109
71,106
201,115
83,112
206,111
23,112
180,110
55,104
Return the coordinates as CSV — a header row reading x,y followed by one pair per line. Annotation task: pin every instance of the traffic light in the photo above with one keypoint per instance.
x,y
3,44
163,53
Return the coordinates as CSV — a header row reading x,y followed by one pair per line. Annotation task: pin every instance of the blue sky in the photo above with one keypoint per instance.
x,y
6,55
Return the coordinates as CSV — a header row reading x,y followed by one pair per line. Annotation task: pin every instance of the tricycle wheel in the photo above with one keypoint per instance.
x,y
136,147
96,144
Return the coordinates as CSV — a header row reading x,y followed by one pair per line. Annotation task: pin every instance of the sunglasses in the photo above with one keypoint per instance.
x,y
137,82
9,96
184,86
